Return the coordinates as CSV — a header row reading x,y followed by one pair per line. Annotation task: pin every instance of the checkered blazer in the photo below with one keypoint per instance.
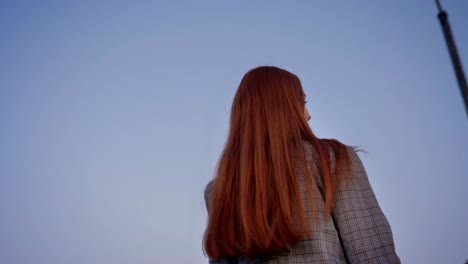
x,y
357,232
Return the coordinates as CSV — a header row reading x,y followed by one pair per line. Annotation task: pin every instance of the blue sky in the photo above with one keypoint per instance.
x,y
114,115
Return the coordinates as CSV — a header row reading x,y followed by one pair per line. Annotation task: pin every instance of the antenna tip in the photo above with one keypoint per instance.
x,y
439,6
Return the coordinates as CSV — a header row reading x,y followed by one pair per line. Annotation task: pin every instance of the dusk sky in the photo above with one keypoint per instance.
x,y
114,114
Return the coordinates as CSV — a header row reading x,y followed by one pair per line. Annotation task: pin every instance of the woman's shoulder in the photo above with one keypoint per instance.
x,y
332,145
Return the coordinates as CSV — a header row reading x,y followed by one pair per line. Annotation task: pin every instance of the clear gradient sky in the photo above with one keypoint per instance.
x,y
114,113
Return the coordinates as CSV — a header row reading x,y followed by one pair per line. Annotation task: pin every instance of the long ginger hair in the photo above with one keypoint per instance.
x,y
256,191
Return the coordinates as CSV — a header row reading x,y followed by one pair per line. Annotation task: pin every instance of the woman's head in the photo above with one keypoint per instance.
x,y
269,94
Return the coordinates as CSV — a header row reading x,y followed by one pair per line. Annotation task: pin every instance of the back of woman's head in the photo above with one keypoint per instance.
x,y
267,100
256,208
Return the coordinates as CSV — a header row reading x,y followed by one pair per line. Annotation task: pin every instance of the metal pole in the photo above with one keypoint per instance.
x,y
443,17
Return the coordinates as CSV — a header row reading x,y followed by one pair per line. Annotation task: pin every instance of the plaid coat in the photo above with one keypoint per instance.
x,y
357,232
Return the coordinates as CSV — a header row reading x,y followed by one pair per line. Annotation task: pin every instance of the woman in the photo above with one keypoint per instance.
x,y
282,195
